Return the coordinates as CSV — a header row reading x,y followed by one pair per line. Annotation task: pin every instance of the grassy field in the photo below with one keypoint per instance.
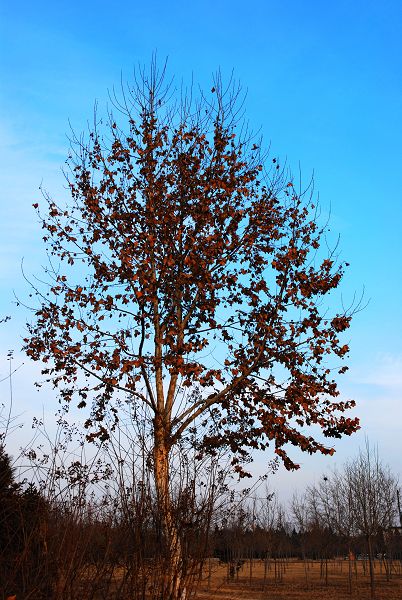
x,y
296,580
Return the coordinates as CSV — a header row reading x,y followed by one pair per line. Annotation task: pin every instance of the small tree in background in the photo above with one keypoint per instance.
x,y
186,277
372,489
334,502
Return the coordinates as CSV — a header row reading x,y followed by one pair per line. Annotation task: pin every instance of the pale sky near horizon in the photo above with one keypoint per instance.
x,y
324,84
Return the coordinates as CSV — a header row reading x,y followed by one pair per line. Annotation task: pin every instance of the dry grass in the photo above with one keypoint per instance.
x,y
296,581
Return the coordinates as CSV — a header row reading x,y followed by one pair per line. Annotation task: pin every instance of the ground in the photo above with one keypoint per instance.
x,y
296,580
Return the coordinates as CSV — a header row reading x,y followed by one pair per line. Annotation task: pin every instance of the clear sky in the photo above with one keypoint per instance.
x,y
324,82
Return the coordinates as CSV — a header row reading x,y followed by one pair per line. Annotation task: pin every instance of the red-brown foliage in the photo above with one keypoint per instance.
x,y
189,262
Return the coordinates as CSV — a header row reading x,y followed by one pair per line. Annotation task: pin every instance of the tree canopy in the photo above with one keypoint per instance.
x,y
187,276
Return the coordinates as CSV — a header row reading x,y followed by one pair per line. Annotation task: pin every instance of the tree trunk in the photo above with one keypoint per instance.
x,y
371,566
172,583
265,572
305,569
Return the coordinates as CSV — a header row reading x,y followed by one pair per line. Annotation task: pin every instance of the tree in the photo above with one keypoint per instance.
x,y
358,500
190,282
372,490
22,554
333,500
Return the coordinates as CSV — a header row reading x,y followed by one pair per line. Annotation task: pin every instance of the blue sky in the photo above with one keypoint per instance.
x,y
324,83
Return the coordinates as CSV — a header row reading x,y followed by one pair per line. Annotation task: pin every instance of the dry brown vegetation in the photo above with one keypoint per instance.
x,y
61,538
80,529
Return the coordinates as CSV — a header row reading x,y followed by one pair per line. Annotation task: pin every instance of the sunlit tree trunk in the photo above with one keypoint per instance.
x,y
173,585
